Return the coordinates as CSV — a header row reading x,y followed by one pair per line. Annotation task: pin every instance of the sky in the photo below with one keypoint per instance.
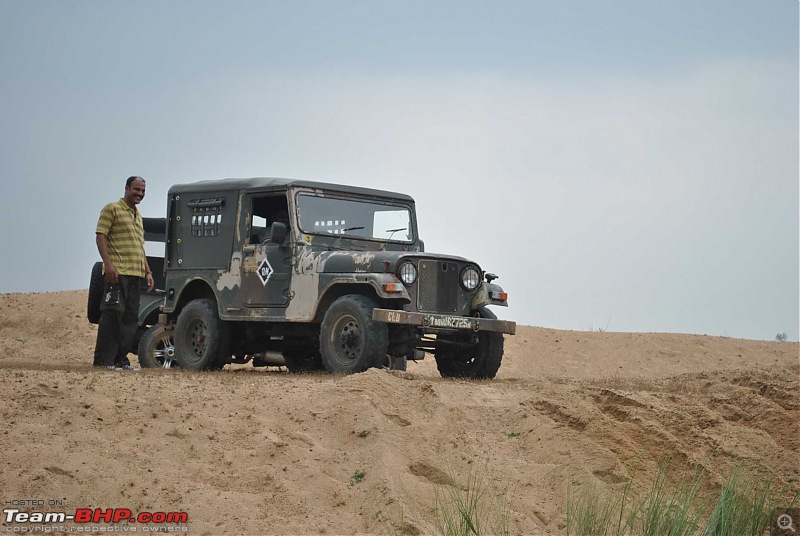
x,y
623,166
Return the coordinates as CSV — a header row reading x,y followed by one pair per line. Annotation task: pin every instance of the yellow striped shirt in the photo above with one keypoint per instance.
x,y
122,226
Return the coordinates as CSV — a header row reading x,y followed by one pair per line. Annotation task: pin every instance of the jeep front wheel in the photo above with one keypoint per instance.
x,y
156,348
350,341
202,339
479,361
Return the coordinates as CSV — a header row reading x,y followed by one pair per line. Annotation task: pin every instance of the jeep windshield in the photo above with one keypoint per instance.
x,y
354,218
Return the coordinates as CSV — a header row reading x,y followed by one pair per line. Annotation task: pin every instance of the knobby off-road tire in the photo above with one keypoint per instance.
x,y
157,348
95,293
202,339
480,362
350,341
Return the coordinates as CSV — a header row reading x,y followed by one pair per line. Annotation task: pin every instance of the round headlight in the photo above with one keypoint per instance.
x,y
470,278
407,273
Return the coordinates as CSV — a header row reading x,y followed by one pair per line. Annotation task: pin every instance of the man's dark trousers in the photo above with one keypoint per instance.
x,y
118,322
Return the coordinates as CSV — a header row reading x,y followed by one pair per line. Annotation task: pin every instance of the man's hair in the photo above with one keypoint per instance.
x,y
133,178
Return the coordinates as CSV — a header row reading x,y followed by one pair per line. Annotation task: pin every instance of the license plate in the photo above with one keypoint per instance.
x,y
456,322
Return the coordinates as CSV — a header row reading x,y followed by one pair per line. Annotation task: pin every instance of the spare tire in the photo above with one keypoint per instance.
x,y
95,293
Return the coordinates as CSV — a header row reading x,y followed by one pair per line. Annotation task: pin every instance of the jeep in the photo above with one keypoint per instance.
x,y
310,275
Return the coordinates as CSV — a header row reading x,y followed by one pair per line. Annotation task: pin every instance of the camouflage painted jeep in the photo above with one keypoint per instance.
x,y
331,277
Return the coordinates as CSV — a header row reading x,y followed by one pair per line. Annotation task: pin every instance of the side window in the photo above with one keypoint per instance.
x,y
264,210
258,229
206,216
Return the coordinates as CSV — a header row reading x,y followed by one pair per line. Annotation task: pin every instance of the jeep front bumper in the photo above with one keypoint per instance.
x,y
435,321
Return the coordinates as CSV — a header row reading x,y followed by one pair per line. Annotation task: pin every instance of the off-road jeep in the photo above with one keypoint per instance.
x,y
332,277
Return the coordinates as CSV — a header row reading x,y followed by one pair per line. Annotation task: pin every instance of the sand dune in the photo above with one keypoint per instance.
x,y
262,451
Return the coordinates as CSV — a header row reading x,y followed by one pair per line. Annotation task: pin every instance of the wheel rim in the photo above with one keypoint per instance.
x,y
164,352
198,338
348,339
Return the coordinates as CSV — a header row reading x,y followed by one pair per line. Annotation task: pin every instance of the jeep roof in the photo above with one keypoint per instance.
x,y
280,183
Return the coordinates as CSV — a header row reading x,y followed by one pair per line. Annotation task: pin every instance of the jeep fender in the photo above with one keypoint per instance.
x,y
489,294
197,287
149,305
385,286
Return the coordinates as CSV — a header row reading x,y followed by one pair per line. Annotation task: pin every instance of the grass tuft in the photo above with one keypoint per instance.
x,y
593,514
357,477
745,506
471,511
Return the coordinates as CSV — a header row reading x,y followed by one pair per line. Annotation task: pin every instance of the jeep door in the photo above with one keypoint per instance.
x,y
266,266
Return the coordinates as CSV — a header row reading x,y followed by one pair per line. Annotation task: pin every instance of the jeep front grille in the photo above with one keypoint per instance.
x,y
438,287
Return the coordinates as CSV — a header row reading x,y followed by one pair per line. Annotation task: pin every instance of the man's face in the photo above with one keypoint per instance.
x,y
135,192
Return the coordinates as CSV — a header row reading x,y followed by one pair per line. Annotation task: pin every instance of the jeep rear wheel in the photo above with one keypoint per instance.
x,y
157,349
202,339
479,361
350,341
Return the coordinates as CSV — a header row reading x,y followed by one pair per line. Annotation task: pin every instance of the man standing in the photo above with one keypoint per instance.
x,y
120,241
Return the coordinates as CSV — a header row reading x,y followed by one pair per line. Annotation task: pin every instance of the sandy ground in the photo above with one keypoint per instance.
x,y
262,451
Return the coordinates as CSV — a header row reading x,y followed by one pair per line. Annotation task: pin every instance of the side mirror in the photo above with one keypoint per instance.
x,y
277,232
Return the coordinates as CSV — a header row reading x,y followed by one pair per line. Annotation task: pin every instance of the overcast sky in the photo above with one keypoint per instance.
x,y
625,165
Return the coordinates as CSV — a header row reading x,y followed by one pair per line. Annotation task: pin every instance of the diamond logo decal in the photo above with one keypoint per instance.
x,y
264,271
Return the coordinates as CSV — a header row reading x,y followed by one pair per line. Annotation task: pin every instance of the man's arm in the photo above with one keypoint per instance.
x,y
102,246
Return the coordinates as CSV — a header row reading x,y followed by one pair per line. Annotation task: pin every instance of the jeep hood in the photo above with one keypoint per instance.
x,y
375,261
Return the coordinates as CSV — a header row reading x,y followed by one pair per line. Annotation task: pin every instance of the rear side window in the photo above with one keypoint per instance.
x,y
206,216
